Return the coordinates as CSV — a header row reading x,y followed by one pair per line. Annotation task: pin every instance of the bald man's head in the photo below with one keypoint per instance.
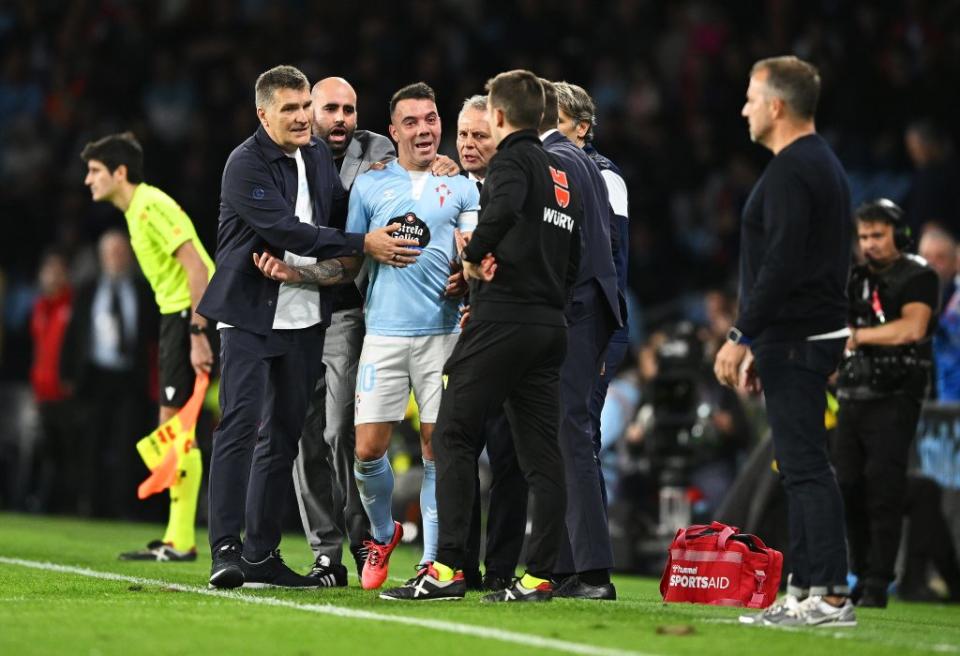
x,y
939,249
334,113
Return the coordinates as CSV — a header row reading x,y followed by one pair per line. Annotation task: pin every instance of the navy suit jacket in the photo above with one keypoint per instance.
x,y
258,197
597,271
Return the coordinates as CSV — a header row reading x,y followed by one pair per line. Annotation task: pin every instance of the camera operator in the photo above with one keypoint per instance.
x,y
690,431
893,297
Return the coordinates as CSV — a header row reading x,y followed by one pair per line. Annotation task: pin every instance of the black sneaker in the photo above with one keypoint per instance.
x,y
492,582
161,552
359,553
517,592
573,588
872,598
226,570
272,572
330,575
427,586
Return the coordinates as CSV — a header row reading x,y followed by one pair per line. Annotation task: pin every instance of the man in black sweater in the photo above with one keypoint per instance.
x,y
513,345
791,329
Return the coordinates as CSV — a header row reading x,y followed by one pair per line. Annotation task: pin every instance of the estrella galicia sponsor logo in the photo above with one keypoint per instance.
x,y
558,219
258,193
411,227
686,577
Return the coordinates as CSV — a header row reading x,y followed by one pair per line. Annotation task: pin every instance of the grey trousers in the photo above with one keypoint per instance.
x,y
327,493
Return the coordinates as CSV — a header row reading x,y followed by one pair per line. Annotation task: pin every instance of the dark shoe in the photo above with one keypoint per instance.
x,y
872,598
516,592
328,574
225,570
919,593
161,552
427,586
492,582
574,588
473,578
359,553
855,593
272,572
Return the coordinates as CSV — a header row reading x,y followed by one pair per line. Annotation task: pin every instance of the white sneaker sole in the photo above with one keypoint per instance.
x,y
257,585
388,598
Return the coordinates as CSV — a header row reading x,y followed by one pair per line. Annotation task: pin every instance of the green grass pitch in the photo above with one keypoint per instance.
x,y
62,591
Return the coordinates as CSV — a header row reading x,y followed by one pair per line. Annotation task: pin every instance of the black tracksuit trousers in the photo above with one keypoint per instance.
x,y
518,366
871,451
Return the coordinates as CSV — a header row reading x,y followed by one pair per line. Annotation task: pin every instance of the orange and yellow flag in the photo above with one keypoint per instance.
x,y
162,449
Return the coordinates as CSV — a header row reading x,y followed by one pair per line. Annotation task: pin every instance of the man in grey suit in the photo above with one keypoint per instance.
x,y
327,494
323,471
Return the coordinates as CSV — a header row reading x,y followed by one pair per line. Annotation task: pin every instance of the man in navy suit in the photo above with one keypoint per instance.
x,y
279,191
586,555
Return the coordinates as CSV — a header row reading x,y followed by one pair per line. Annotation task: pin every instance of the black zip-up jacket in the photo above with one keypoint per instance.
x,y
258,200
795,246
530,220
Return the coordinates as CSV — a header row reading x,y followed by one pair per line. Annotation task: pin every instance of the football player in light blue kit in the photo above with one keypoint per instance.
x,y
412,325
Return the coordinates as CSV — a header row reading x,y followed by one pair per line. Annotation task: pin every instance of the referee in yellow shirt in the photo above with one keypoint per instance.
x,y
178,269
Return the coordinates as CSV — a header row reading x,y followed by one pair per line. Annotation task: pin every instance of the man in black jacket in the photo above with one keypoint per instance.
x,y
279,191
795,253
513,345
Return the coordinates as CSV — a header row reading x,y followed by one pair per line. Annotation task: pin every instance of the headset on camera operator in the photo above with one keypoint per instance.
x,y
882,380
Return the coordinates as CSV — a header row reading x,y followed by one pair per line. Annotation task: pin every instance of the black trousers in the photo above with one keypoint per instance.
x,y
616,352
586,542
794,377
516,366
870,454
929,541
115,414
265,387
507,514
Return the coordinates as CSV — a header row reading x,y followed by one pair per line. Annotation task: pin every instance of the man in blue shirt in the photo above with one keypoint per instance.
x,y
411,324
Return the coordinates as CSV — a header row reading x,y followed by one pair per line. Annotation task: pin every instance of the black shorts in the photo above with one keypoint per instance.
x,y
173,360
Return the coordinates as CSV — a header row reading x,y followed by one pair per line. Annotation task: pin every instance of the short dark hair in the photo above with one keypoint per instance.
x,y
415,91
795,81
551,106
879,210
115,150
278,77
520,95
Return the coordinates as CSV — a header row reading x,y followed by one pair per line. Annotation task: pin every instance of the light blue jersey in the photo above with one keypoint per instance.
x,y
409,302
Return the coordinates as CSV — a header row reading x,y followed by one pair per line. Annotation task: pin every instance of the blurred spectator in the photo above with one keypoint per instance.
x,y
939,249
107,362
682,417
49,485
935,195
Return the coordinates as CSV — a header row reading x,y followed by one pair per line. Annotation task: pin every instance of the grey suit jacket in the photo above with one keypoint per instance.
x,y
364,149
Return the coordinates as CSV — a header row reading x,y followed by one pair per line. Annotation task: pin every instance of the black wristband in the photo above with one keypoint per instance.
x,y
197,329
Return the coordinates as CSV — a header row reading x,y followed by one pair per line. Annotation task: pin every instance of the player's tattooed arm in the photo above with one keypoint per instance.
x,y
330,272
324,273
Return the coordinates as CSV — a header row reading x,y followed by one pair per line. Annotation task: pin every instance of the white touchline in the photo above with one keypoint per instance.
x,y
340,611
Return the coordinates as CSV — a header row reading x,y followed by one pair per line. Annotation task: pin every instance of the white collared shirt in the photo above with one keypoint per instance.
x,y
298,305
546,134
